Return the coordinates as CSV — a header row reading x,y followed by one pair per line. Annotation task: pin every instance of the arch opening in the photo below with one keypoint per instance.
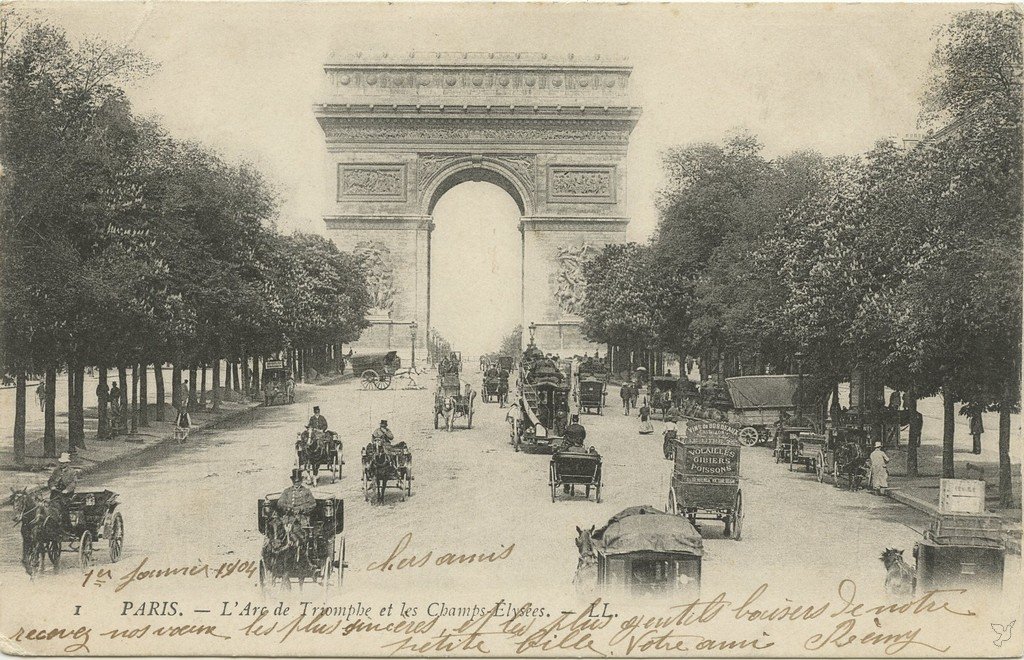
x,y
474,289
473,172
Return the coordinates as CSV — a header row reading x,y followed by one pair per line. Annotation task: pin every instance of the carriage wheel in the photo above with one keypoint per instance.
x,y
408,481
342,564
737,517
673,503
384,382
53,551
553,481
819,467
836,475
749,436
369,379
329,567
336,470
85,550
116,541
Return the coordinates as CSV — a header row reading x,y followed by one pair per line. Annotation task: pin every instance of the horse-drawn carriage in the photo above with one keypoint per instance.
x,y
278,388
386,465
759,402
315,449
377,370
495,385
451,402
641,551
664,393
93,516
302,548
575,466
592,395
706,476
543,416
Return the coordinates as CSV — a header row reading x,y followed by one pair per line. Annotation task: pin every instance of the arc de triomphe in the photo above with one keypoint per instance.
x,y
400,132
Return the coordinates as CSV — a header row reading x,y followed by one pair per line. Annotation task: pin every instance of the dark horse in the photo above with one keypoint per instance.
x,y
851,466
290,550
315,448
41,529
384,462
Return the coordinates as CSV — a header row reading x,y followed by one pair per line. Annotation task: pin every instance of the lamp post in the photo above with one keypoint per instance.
x,y
799,384
412,331
533,331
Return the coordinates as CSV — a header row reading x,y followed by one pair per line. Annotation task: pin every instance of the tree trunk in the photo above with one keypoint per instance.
x,y
235,381
246,375
161,400
256,373
915,435
143,395
176,397
135,399
1010,394
227,373
50,414
216,385
102,420
122,374
19,418
202,387
948,429
79,400
193,403
71,408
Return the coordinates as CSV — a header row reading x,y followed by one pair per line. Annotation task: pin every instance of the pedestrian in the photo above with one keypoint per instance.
x,y
41,395
625,391
634,392
895,400
646,427
115,408
977,428
102,394
289,388
879,469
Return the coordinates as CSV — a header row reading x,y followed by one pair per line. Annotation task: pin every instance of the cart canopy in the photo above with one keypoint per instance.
x,y
778,392
646,529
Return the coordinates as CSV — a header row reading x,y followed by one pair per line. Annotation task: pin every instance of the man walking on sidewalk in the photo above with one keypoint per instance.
x,y
977,428
41,395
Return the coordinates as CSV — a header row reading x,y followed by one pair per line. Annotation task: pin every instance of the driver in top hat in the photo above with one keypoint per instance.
x,y
62,484
382,433
295,504
317,421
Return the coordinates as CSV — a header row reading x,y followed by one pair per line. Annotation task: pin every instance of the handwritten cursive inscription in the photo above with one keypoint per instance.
x,y
399,559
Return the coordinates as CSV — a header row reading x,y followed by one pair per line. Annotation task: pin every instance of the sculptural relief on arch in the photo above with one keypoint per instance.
x,y
401,131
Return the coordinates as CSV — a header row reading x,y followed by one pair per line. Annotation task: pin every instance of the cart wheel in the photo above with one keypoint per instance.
x,y
369,379
835,475
116,541
263,574
408,481
53,551
329,567
552,481
85,550
737,526
749,436
384,382
673,503
343,564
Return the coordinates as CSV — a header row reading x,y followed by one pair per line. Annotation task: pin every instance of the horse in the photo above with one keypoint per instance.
x,y
850,463
315,448
448,411
586,567
382,466
41,529
899,578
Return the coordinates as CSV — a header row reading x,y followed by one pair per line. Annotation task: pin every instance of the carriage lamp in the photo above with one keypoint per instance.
x,y
413,327
533,331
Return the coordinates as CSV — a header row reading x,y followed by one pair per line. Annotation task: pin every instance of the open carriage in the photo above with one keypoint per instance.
x,y
386,465
643,551
302,550
451,402
574,467
706,476
316,449
94,516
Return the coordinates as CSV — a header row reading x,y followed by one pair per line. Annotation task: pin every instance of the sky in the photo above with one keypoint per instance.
x,y
242,77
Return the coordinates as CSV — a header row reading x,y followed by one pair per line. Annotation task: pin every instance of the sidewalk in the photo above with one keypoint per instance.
x,y
922,492
35,471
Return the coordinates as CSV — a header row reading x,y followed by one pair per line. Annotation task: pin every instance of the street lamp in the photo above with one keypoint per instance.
x,y
533,331
412,330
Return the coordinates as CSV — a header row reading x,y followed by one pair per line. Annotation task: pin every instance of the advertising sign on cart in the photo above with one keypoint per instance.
x,y
707,465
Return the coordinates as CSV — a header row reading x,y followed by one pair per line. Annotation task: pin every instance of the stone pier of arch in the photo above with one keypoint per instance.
x,y
553,133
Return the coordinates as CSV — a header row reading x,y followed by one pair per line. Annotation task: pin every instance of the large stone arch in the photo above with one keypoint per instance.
x,y
400,132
